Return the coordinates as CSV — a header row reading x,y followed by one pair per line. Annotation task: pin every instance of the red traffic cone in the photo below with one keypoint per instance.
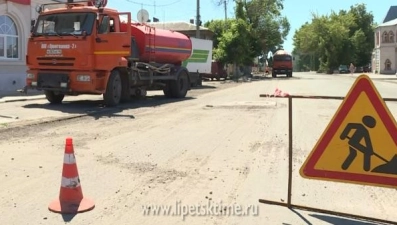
x,y
71,198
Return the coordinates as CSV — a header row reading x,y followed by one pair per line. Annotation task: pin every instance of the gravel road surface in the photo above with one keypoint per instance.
x,y
223,144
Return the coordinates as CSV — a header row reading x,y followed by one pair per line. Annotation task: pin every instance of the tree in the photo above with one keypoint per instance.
x,y
233,39
268,24
363,36
218,27
233,47
338,38
237,45
269,27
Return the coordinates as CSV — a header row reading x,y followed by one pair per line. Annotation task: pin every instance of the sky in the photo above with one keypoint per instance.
x,y
297,12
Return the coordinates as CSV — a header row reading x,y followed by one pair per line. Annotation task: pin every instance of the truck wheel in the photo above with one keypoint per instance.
x,y
54,98
112,95
179,87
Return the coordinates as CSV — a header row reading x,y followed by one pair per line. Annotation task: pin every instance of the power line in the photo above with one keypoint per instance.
x,y
156,5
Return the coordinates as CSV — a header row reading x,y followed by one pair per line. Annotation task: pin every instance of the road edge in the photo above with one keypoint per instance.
x,y
21,99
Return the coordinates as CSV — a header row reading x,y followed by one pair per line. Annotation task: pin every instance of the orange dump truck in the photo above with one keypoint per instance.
x,y
82,47
282,63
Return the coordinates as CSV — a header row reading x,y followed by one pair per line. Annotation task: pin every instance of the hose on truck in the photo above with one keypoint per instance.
x,y
162,69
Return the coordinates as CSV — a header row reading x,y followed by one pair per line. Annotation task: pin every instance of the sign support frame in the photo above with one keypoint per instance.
x,y
289,204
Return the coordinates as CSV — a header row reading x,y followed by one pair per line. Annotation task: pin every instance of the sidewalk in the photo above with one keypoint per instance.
x,y
15,96
373,76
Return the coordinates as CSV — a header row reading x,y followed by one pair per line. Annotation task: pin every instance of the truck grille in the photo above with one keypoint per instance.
x,y
56,61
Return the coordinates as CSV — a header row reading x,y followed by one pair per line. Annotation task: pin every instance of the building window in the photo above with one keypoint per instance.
x,y
387,64
385,37
391,36
8,38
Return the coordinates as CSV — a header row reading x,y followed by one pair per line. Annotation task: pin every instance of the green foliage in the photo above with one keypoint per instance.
x,y
257,29
268,24
337,38
218,27
233,46
240,12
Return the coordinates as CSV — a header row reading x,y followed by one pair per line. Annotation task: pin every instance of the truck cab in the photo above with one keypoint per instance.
x,y
72,49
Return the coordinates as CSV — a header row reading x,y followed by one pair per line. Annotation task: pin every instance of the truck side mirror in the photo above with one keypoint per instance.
x,y
32,23
104,26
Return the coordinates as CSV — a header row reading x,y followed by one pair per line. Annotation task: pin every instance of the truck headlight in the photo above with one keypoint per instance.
x,y
30,76
83,78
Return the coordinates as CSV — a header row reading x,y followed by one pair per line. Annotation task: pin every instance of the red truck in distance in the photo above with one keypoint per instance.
x,y
282,63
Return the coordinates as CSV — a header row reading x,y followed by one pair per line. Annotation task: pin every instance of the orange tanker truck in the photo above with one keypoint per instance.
x,y
82,47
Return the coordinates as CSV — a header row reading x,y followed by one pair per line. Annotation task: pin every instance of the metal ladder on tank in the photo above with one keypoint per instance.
x,y
152,44
152,49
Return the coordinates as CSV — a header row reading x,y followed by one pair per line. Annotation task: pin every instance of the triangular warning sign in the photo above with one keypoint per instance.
x,y
360,143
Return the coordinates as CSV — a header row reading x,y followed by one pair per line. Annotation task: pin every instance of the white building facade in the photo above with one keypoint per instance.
x,y
385,54
15,23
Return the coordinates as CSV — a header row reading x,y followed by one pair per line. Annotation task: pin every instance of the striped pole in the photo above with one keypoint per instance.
x,y
71,199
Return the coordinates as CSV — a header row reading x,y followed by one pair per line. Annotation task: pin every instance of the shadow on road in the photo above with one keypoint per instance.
x,y
332,220
68,217
97,109
18,94
203,87
302,217
341,221
269,77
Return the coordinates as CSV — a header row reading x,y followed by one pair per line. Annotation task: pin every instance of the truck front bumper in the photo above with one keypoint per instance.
x,y
63,81
282,71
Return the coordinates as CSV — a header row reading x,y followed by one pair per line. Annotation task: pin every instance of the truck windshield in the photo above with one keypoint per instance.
x,y
282,58
65,24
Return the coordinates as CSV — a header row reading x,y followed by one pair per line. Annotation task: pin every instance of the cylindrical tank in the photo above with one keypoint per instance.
x,y
281,52
159,45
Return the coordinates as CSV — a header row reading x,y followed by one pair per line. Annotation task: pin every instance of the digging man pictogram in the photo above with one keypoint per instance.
x,y
360,134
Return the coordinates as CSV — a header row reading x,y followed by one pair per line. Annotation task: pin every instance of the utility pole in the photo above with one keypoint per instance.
x,y
225,3
198,20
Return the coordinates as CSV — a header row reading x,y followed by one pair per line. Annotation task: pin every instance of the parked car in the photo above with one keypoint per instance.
x,y
343,69
367,69
359,69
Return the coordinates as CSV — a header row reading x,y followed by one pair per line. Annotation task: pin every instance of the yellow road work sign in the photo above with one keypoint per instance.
x,y
360,143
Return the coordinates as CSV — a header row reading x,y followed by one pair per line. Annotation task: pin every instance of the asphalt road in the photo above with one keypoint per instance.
x,y
223,143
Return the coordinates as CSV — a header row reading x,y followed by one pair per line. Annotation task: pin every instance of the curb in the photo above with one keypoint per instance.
x,y
22,99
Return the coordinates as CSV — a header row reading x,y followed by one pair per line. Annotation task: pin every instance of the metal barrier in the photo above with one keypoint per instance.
x,y
290,154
